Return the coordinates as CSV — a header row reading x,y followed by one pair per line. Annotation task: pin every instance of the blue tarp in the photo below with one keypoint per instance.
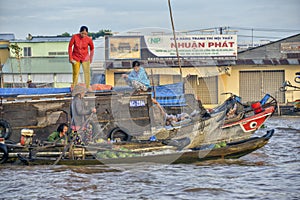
x,y
170,94
166,95
6,92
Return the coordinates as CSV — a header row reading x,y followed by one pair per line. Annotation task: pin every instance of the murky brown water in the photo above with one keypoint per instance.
x,y
272,172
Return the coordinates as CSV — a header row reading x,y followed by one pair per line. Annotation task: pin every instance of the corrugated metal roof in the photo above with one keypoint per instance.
x,y
268,44
197,63
7,36
45,39
293,61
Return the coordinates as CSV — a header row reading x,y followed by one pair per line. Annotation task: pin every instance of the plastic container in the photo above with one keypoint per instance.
x,y
26,137
238,99
265,99
152,138
256,107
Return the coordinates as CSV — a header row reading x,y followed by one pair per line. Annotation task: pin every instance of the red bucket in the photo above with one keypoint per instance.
x,y
256,107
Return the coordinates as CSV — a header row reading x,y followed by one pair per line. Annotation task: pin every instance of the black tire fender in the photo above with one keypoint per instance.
x,y
6,129
4,151
120,131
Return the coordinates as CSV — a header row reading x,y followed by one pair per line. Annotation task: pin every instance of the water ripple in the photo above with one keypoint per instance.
x,y
272,172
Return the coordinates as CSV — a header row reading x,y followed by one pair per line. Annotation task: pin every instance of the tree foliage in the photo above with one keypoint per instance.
x,y
100,33
65,34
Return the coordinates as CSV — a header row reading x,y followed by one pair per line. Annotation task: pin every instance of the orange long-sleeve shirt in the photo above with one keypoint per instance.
x,y
79,48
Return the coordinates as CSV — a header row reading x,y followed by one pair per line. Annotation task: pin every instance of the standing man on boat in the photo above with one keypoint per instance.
x,y
137,78
81,51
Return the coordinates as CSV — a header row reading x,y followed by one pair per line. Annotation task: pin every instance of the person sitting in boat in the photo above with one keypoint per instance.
x,y
202,112
173,120
232,112
60,135
137,78
80,113
30,84
177,120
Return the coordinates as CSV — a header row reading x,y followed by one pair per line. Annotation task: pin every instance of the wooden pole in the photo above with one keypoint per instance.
x,y
175,41
153,86
1,75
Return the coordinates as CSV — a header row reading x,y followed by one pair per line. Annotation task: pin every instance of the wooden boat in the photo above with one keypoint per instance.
x,y
44,112
123,116
249,118
130,153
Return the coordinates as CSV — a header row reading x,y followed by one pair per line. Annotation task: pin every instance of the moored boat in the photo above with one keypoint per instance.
x,y
125,116
129,153
248,118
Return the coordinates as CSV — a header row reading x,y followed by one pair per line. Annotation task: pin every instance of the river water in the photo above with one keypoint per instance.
x,y
272,172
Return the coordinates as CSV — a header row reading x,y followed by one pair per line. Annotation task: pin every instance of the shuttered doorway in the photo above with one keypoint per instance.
x,y
204,88
255,84
207,89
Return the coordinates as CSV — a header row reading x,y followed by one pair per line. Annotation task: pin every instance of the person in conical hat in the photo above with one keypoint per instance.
x,y
79,110
79,89
30,84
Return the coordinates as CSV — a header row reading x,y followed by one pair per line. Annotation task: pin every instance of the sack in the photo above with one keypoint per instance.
x,y
101,87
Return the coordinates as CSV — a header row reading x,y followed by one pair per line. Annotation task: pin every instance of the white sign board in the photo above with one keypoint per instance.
x,y
193,45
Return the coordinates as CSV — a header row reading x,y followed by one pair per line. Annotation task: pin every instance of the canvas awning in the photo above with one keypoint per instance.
x,y
186,71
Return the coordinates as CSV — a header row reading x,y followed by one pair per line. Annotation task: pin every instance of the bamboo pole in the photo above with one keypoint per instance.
x,y
175,41
1,75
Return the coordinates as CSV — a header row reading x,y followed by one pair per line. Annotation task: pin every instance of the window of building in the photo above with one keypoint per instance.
x,y
27,52
60,53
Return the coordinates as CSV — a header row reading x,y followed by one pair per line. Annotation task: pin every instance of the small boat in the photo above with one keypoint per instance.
x,y
127,152
248,118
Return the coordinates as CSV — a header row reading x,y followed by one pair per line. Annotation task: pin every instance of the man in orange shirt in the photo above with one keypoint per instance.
x,y
81,51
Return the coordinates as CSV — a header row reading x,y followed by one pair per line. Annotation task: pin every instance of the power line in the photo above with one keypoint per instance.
x,y
227,28
265,29
250,36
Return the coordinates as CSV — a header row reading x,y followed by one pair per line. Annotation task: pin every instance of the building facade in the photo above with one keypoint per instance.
x,y
210,66
43,59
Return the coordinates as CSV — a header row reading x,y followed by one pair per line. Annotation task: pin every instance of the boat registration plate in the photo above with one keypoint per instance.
x,y
137,103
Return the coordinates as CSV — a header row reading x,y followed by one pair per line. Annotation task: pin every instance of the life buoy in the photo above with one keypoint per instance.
x,y
5,129
4,153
